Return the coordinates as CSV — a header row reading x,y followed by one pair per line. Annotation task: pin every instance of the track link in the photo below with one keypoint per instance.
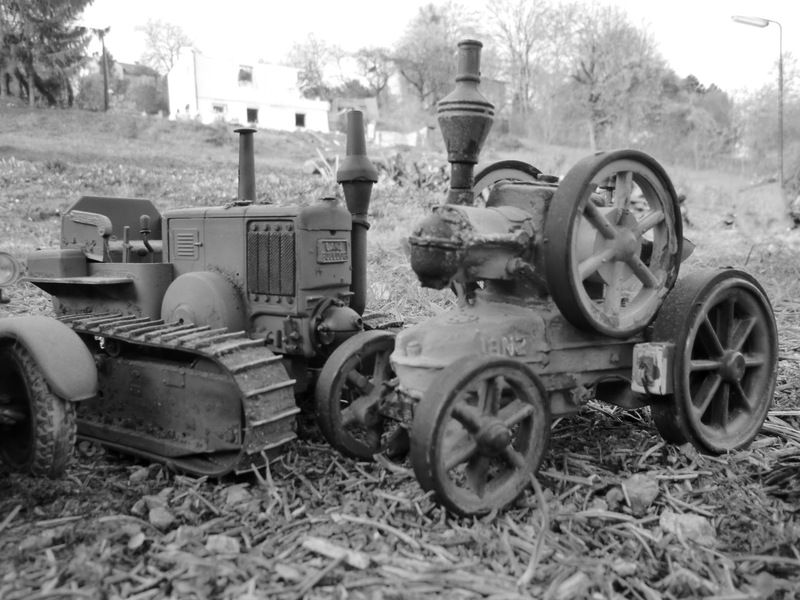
x,y
261,383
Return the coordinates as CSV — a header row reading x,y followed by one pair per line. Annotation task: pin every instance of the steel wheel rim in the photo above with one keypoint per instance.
x,y
473,469
611,287
727,366
506,170
361,368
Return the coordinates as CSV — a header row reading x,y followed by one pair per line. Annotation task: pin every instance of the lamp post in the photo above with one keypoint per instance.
x,y
760,22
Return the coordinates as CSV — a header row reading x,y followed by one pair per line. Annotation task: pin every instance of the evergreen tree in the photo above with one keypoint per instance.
x,y
41,47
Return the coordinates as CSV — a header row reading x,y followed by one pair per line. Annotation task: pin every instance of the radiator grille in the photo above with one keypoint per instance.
x,y
270,261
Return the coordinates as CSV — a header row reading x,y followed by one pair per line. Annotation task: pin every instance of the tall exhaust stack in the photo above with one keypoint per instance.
x,y
247,165
357,175
465,118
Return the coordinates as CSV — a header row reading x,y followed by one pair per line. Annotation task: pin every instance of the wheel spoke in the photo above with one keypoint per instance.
x,y
599,221
360,382
704,365
744,401
720,407
478,473
741,332
489,391
591,264
465,414
647,222
381,366
519,416
612,302
514,458
706,393
754,360
623,189
709,338
460,455
642,272
725,324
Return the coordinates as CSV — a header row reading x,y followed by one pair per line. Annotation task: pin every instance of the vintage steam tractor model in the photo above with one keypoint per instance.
x,y
188,344
566,291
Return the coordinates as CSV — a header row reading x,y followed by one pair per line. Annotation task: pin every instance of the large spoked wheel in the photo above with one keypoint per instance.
x,y
348,392
609,266
726,353
37,428
504,170
479,434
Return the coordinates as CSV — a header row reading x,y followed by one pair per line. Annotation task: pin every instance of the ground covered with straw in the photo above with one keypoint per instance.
x,y
614,513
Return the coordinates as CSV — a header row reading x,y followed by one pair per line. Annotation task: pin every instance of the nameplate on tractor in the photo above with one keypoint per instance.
x,y
332,251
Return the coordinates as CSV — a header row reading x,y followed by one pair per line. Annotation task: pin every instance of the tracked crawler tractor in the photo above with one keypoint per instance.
x,y
567,290
185,337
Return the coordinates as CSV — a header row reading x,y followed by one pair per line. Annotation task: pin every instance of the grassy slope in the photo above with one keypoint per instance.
x,y
581,546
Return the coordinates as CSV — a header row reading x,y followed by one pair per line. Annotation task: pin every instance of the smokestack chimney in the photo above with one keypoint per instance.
x,y
357,175
247,165
465,118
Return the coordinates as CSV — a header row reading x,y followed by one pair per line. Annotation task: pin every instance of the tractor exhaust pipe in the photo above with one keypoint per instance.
x,y
247,165
465,117
357,174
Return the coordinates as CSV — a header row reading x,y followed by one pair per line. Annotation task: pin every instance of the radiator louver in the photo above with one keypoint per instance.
x,y
186,244
270,261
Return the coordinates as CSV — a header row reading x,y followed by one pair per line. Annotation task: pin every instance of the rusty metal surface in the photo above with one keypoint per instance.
x,y
201,430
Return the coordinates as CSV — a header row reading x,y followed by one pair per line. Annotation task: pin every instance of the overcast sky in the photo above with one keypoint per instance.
x,y
695,36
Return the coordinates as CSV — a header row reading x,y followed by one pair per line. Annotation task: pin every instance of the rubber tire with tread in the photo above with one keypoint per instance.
x,y
43,443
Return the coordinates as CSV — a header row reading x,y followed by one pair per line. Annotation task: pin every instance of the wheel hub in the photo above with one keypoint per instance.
x,y
493,437
626,244
733,366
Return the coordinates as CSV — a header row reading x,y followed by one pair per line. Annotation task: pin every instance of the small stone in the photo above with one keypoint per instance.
x,y
573,586
692,528
161,518
237,494
139,508
623,568
614,498
139,475
154,502
222,544
642,490
136,540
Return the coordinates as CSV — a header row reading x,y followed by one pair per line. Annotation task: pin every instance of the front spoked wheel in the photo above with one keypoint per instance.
x,y
480,433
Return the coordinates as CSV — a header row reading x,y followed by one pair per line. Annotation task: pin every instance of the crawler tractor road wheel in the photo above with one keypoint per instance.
x,y
504,170
480,433
608,265
349,390
726,353
37,428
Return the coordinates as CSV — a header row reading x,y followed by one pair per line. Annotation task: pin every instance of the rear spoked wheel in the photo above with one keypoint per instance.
x,y
37,428
726,353
480,433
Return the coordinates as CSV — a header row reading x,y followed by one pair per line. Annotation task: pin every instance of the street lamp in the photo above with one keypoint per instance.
x,y
759,22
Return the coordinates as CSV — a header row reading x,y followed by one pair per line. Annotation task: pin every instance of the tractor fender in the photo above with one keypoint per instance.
x,y
65,361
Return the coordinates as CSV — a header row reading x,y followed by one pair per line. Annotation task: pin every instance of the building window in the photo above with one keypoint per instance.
x,y
219,109
252,115
245,75
299,120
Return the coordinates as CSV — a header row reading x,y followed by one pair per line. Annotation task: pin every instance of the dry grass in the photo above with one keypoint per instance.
x,y
615,513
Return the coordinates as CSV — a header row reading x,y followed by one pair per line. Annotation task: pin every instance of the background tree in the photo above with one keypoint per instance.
x,y
376,67
424,56
616,73
533,39
163,44
314,56
42,47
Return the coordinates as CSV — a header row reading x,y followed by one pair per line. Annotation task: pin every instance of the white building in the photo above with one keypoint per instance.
x,y
246,93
